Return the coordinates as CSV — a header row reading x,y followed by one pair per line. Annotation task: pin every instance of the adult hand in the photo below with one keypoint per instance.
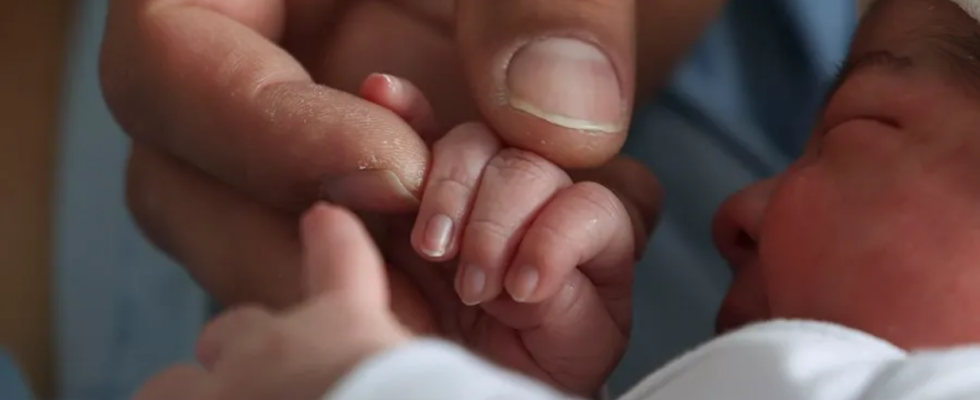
x,y
251,353
241,116
251,99
255,93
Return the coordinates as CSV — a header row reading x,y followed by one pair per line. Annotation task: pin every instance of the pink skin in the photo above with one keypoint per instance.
x,y
508,210
404,99
515,221
251,352
877,225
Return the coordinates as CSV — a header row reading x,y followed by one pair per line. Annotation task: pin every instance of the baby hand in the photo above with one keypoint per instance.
x,y
299,354
517,221
546,261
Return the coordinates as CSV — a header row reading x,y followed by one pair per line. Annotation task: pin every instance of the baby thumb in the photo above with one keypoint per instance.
x,y
340,260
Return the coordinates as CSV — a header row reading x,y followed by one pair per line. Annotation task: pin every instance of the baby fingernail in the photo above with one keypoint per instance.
x,y
568,83
471,287
438,232
525,284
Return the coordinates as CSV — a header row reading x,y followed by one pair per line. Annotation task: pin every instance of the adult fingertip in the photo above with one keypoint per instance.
x,y
373,190
552,78
567,82
562,98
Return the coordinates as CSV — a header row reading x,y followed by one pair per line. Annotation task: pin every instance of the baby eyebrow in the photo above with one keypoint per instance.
x,y
961,52
958,56
866,60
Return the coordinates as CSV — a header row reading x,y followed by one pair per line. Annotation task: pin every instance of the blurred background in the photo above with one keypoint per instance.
x,y
61,204
32,41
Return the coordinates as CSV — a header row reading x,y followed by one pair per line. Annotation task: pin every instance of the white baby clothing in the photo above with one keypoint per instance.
x,y
778,360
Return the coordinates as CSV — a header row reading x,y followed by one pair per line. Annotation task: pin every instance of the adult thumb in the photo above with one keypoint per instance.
x,y
339,258
552,77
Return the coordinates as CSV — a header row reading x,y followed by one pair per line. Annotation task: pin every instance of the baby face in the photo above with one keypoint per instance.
x,y
877,225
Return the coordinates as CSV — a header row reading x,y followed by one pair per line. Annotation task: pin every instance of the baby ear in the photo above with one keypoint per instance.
x,y
340,260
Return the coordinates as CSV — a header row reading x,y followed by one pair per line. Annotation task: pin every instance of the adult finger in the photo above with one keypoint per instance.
x,y
553,77
237,249
516,185
204,80
458,160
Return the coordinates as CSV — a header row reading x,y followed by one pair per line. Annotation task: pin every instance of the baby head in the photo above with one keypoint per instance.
x,y
877,225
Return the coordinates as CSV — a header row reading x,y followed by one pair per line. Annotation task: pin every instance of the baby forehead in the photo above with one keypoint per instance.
x,y
940,35
917,23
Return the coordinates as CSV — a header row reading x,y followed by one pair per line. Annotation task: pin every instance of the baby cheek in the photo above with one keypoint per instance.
x,y
805,238
841,250
798,216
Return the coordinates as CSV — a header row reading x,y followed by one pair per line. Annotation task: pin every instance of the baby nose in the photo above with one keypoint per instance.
x,y
736,224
